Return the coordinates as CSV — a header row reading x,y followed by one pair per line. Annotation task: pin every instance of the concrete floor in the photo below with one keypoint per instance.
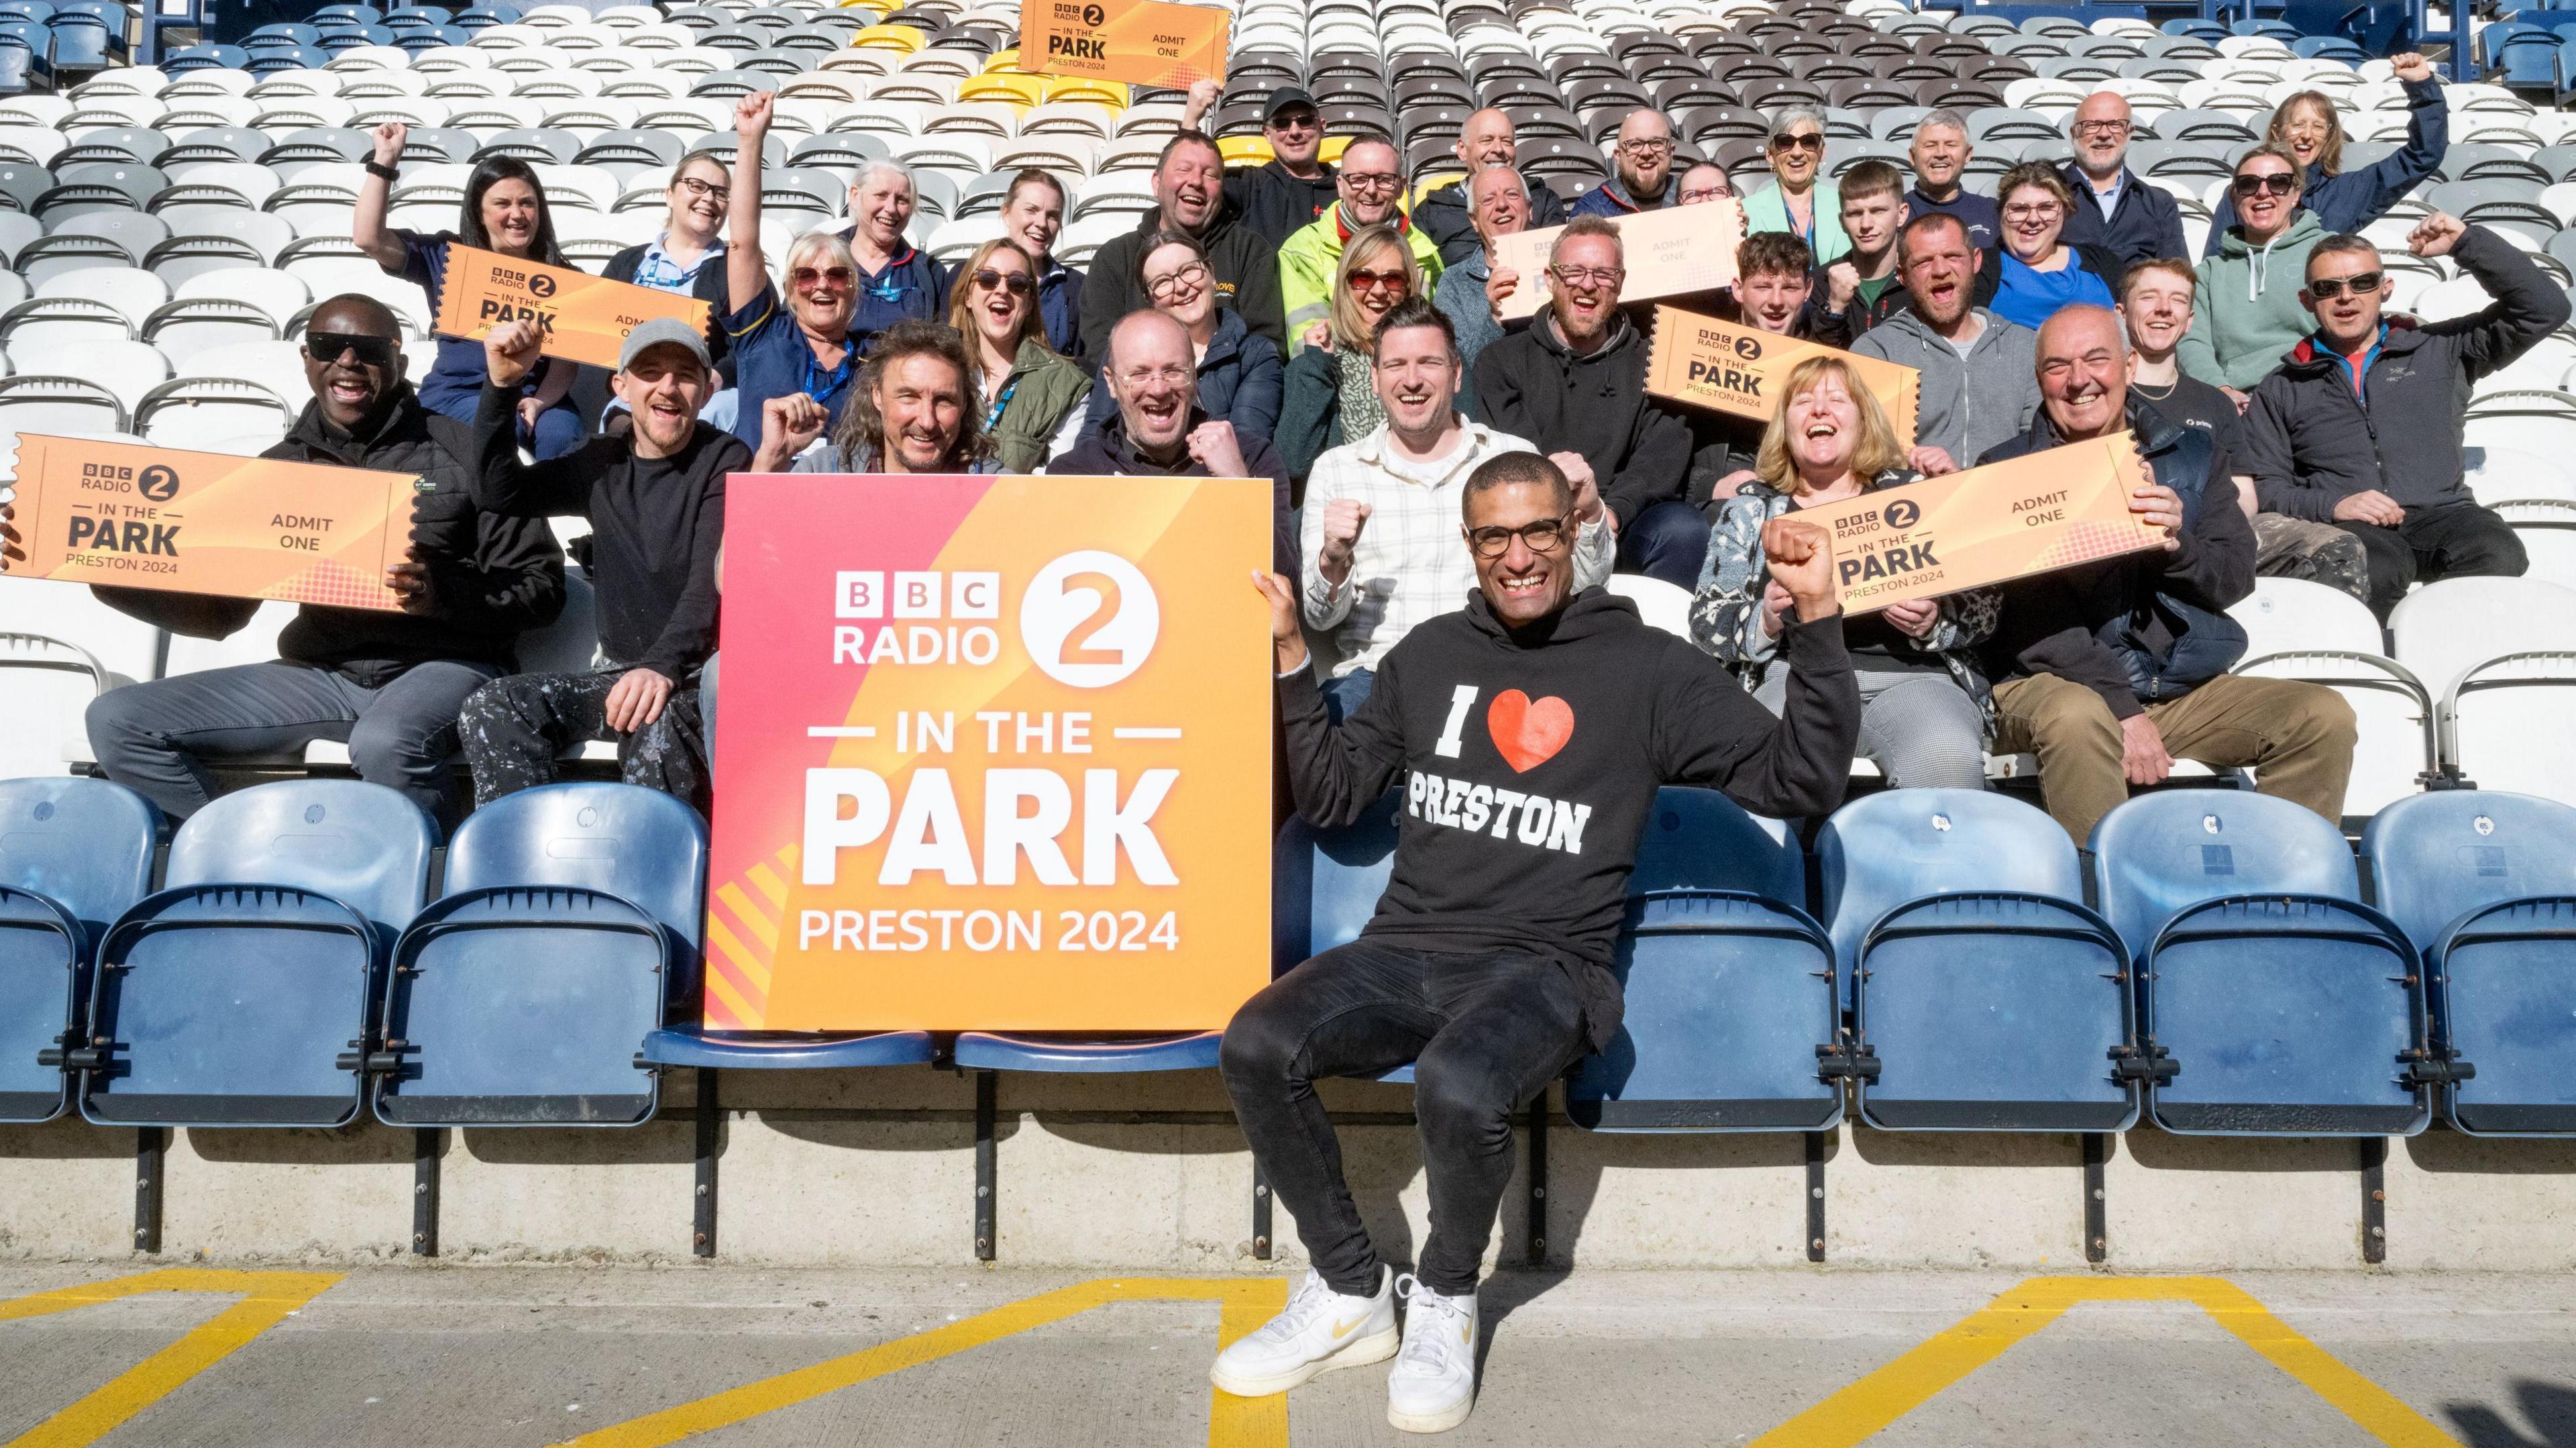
x,y
494,1357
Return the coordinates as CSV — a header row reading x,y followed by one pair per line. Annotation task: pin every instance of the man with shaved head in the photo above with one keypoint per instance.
x,y
1160,430
2110,671
1372,187
1642,163
2115,210
1447,214
386,684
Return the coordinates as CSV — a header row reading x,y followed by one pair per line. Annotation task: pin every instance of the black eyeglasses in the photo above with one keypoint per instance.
x,y
1546,535
2277,183
2326,289
329,347
1017,283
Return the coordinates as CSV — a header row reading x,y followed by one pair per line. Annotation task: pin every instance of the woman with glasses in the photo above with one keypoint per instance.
x,y
505,212
802,345
1331,393
1031,399
1924,700
1240,375
2034,273
687,259
2311,126
1799,200
2249,312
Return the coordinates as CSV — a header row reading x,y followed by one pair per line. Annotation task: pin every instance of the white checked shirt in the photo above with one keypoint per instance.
x,y
1410,563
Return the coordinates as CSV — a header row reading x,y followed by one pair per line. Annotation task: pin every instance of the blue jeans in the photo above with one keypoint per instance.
x,y
1667,540
559,428
1344,696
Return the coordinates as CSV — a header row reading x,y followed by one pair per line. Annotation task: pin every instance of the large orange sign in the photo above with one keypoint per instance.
x,y
1145,42
580,317
995,753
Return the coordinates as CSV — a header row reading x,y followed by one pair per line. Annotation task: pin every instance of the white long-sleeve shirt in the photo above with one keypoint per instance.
x,y
1411,562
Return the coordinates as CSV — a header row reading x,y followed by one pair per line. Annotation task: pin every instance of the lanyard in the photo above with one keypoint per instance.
x,y
814,375
993,418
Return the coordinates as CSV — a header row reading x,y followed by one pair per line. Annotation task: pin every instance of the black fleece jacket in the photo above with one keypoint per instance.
x,y
1530,386
653,549
1523,807
1276,204
490,577
1247,279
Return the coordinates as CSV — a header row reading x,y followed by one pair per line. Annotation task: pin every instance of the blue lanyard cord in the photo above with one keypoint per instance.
x,y
838,377
993,417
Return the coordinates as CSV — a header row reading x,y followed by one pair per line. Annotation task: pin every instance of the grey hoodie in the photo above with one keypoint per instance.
x,y
1967,404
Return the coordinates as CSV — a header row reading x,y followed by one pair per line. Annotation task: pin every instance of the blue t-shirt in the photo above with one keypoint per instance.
x,y
2028,298
772,359
454,386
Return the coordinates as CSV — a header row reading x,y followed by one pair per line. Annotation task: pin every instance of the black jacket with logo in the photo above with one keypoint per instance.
x,y
1520,821
1276,204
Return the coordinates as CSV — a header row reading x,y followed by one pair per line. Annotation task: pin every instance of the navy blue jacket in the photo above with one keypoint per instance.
x,y
2355,199
2145,226
1060,307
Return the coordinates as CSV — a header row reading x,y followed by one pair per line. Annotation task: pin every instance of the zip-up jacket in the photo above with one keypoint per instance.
x,y
1043,387
1442,214
1308,260
2145,223
1247,280
1857,318
1613,198
1276,204
1530,386
1964,406
2246,312
1519,829
2358,197
1107,453
2311,441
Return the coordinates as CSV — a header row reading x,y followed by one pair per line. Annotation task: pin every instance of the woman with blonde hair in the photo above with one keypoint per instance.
x,y
1031,400
1925,705
1330,394
2310,127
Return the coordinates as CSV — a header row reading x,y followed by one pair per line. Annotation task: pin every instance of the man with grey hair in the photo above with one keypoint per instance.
x,y
1642,169
1471,289
1940,153
2114,209
1446,214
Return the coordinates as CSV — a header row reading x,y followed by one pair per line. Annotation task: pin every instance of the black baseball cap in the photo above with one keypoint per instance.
x,y
1284,98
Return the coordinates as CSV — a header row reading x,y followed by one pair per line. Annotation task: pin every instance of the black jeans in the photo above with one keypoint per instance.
x,y
1486,1033
1667,540
2456,540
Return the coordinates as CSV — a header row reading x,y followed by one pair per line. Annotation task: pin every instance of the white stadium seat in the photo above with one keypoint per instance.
x,y
2321,635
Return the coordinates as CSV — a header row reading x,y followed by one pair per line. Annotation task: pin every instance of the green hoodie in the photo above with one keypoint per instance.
x,y
2246,314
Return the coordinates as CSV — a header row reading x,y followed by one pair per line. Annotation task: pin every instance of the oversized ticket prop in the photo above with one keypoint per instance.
x,y
1740,370
580,317
189,522
995,754
2033,514
1144,42
1670,253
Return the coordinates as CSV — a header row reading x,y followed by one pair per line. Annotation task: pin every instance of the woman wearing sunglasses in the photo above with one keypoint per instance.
x,y
802,344
1331,391
1031,399
2311,126
504,211
2248,313
687,259
1239,369
1798,200
2034,273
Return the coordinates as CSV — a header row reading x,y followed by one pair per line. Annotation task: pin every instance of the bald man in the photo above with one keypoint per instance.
x,y
2114,209
1161,431
2110,671
1447,214
1372,194
1642,166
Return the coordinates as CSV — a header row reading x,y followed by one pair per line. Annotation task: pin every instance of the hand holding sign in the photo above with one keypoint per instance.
x,y
10,551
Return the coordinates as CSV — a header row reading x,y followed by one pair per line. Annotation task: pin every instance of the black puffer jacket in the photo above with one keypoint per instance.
x,y
1530,386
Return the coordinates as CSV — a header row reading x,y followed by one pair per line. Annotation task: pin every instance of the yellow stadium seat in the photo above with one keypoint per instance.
x,y
1012,88
1002,60
1330,153
1109,93
1241,151
888,37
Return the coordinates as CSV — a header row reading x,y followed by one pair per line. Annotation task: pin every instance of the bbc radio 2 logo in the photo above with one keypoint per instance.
x,y
1078,47
1087,619
541,286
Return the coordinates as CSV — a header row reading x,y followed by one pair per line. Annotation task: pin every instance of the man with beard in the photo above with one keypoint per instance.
x,y
1573,382
1488,964
1381,539
2110,671
1372,187
2114,210
912,414
1189,197
1284,194
654,499
1447,214
386,684
1978,388
1642,170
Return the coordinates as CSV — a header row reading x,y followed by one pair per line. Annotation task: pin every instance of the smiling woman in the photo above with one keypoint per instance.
x,y
687,259
1330,396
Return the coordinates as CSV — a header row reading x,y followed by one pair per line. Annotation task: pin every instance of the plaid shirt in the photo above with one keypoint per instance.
x,y
1411,562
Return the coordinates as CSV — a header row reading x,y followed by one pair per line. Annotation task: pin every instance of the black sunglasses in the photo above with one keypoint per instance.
x,y
2326,289
329,347
1017,283
2279,183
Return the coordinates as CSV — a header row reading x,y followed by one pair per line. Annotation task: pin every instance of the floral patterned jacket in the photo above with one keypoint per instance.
x,y
1726,611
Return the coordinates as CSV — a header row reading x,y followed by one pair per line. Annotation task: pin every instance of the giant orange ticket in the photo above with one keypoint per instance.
x,y
1143,42
188,522
1741,370
1669,253
582,318
2007,520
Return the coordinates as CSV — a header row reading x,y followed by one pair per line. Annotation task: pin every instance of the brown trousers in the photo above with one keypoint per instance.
x,y
2296,737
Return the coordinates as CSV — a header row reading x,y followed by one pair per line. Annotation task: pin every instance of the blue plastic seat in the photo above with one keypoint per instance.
x,y
1998,1005
17,66
229,997
36,11
2484,884
568,926
205,57
2287,1005
74,855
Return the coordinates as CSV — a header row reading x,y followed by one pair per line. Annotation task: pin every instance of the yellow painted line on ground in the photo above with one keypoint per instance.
x,y
267,1297
1871,1404
1245,1303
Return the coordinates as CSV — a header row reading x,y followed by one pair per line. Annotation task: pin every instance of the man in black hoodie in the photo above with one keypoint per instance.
x,y
386,684
1530,730
2110,671
1573,384
1189,197
655,501
1283,195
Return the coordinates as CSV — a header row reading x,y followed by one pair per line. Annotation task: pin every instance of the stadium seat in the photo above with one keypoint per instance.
x,y
2321,635
1663,605
2480,881
2499,657
1985,996
2288,1006
74,855
568,925
228,997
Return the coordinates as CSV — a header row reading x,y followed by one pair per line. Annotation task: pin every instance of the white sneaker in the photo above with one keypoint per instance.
x,y
1319,1331
1433,1387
